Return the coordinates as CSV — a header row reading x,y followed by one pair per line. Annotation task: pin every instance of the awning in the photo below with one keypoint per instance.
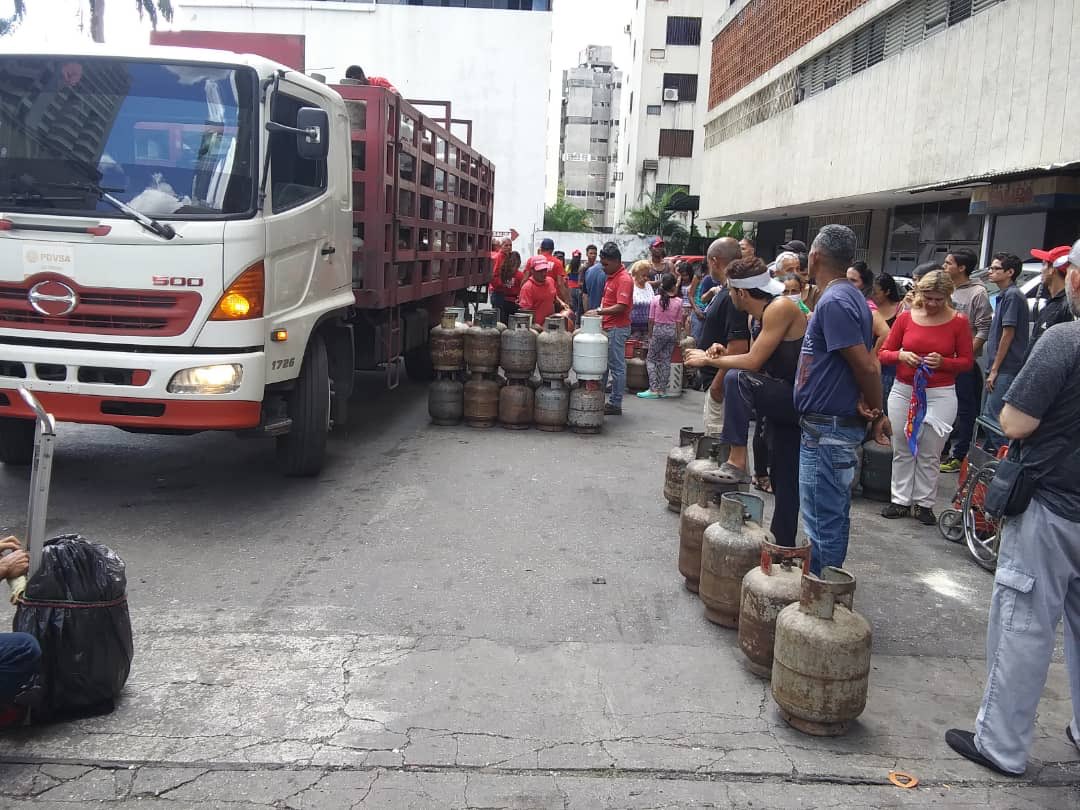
x,y
997,177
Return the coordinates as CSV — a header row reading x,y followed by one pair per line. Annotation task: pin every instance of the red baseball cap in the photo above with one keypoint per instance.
x,y
657,242
1051,255
576,253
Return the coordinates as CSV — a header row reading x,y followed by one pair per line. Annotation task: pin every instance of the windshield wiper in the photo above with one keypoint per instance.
x,y
164,230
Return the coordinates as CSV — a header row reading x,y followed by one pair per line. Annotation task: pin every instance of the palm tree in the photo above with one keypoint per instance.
x,y
150,8
655,216
9,24
565,216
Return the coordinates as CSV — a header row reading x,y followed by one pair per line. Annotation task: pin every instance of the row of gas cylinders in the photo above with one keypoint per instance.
x,y
798,629
519,399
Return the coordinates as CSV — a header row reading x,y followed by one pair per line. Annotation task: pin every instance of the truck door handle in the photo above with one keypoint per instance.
x,y
328,250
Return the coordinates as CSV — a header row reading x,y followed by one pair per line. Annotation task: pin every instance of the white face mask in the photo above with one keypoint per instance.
x,y
795,296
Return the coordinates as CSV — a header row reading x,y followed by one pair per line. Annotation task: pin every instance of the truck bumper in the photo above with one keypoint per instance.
x,y
127,389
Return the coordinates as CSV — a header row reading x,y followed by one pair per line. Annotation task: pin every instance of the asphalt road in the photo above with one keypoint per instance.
x,y
478,605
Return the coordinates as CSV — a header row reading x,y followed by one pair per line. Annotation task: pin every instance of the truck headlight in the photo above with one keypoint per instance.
x,y
220,379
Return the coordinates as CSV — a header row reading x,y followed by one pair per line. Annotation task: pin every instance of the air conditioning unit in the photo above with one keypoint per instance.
x,y
626,28
671,94
650,165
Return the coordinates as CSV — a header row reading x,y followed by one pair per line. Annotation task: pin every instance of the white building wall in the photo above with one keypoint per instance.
x,y
640,134
492,65
989,94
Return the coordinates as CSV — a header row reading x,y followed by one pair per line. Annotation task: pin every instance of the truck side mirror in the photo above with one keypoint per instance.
x,y
313,133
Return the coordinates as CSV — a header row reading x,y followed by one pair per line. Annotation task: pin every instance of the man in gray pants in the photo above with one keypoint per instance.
x,y
1038,571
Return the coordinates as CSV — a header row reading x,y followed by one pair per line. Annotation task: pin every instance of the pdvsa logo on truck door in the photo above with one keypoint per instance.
x,y
48,258
53,298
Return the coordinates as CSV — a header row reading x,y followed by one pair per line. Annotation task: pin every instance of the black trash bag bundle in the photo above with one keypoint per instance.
x,y
75,605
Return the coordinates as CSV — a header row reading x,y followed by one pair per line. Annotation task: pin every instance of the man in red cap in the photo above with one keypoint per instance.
x,y
660,264
539,294
1055,309
555,268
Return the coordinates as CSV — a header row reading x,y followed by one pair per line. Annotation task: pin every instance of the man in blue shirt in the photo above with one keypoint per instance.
x,y
595,278
837,390
1007,345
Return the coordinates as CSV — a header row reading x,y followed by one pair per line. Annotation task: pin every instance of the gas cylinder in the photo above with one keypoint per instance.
x,y
590,349
709,453
694,521
481,401
554,349
518,348
637,376
552,406
767,590
729,549
687,343
821,659
459,317
482,342
675,471
447,344
876,473
675,374
586,414
516,404
446,403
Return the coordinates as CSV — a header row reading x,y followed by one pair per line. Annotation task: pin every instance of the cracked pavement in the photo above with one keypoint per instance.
x,y
420,628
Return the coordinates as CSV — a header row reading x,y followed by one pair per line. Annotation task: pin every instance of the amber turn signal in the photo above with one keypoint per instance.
x,y
243,300
279,335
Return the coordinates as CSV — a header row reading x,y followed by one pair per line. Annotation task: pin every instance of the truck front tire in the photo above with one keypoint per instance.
x,y
418,364
302,451
16,441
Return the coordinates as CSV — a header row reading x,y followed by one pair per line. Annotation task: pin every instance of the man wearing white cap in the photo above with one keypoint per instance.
x,y
1055,309
762,382
1038,568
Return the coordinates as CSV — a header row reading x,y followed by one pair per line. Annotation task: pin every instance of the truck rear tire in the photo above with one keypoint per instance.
x,y
302,451
16,441
418,364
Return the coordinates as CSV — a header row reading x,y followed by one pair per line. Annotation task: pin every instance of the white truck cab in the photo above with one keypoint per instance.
x,y
175,246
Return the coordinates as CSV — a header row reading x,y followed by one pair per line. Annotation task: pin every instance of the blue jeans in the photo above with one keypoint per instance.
x,y
968,394
616,358
827,465
19,656
995,400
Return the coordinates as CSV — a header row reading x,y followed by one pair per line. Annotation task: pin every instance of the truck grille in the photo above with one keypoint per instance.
x,y
102,311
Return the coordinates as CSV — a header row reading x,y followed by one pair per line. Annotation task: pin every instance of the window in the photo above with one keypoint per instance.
x,y
676,142
652,109
685,83
294,180
684,30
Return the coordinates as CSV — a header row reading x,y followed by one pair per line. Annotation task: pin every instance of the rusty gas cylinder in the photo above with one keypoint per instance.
x,y
519,348
675,470
554,349
767,590
637,375
730,548
552,406
821,658
586,414
446,399
709,453
481,401
516,402
482,342
447,344
687,343
695,519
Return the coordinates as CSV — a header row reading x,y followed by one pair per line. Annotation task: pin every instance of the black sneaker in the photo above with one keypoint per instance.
x,y
611,410
925,515
895,510
963,743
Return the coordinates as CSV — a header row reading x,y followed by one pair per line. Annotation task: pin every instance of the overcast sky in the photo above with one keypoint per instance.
x,y
577,24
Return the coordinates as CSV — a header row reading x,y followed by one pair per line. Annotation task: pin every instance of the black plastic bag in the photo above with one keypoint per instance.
x,y
75,605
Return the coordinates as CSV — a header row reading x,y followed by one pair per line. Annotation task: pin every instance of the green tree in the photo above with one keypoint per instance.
x,y
655,216
150,8
565,216
733,229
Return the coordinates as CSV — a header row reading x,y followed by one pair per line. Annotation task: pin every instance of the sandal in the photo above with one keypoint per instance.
x,y
737,474
762,483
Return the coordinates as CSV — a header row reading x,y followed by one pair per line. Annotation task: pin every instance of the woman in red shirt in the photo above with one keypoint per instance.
x,y
506,285
929,345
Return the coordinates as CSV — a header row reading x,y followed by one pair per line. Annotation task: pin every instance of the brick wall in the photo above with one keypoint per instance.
x,y
764,34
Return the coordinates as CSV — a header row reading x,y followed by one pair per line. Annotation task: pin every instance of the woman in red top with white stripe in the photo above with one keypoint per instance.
x,y
933,334
506,285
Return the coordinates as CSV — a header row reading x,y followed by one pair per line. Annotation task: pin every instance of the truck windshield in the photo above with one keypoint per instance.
x,y
170,140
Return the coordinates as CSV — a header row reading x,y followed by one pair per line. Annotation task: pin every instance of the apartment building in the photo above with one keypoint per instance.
x,y
589,135
663,101
925,125
490,58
